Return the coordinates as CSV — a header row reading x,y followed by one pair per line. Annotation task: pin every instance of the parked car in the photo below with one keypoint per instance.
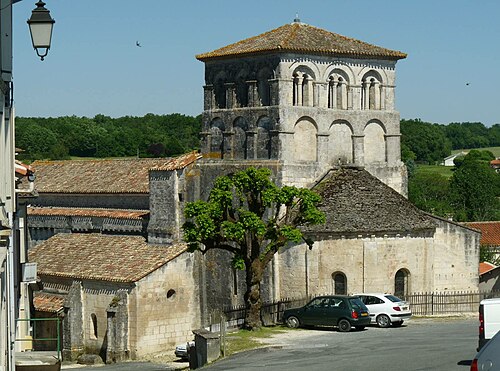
x,y
488,358
386,309
343,312
181,350
489,320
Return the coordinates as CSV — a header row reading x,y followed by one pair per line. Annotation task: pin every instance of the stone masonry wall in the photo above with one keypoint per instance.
x,y
164,307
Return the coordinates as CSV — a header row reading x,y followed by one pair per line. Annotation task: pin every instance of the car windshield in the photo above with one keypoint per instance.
x,y
393,298
356,303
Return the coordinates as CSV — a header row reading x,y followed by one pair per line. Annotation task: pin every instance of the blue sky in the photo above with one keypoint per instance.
x,y
94,66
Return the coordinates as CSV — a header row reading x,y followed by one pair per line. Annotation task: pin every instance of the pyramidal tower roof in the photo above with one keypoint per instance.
x,y
302,38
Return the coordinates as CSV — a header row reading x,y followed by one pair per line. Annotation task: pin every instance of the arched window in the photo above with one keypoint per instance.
x,y
338,90
374,143
401,283
220,93
305,141
340,148
372,96
240,128
263,86
303,87
217,137
339,283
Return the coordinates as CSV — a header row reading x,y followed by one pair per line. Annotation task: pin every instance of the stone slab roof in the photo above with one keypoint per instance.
x,y
103,213
103,176
101,257
355,202
490,232
305,39
48,302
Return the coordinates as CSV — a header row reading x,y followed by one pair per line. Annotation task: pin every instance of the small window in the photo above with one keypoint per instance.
x,y
170,294
93,317
339,283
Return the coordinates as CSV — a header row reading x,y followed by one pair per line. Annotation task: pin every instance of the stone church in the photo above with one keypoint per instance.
x,y
316,108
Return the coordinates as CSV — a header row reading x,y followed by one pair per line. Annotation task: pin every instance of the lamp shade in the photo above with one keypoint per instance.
x,y
41,25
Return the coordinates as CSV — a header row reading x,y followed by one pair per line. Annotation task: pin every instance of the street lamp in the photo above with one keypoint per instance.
x,y
41,25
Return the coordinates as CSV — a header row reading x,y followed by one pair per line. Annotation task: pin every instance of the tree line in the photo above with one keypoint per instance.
x,y
424,142
103,137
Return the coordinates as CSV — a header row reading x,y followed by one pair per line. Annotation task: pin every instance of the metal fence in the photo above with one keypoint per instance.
x,y
421,304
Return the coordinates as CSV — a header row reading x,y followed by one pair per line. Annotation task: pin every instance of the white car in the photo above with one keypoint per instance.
x,y
386,309
488,358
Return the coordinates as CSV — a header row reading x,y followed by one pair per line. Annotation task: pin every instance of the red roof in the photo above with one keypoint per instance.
x,y
45,302
103,213
486,267
490,232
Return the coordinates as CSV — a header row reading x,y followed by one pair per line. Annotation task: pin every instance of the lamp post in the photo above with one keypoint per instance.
x,y
41,24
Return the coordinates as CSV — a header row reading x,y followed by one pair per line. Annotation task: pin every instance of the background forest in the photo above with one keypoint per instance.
x,y
467,192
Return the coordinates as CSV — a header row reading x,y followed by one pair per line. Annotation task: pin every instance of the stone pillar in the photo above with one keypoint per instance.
x,y
205,142
300,89
274,92
117,331
358,147
333,95
365,94
382,97
72,337
230,95
350,94
253,95
357,97
208,97
343,95
377,95
251,144
227,147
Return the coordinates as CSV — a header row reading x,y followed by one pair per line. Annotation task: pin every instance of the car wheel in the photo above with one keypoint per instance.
x,y
383,321
292,322
397,324
344,325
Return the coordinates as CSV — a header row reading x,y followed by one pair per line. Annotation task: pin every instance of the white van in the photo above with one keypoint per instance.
x,y
489,320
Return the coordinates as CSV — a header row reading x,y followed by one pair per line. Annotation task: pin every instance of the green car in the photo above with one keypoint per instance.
x,y
341,311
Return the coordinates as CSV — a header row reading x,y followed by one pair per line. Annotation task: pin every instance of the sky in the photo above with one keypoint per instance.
x,y
94,66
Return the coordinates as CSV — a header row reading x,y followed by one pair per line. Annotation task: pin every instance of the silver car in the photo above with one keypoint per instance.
x,y
488,358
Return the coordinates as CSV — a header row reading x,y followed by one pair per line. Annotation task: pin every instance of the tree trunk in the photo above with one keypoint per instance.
x,y
253,301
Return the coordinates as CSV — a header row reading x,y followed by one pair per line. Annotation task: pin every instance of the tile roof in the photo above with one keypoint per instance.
x,y
101,257
103,176
356,202
103,213
490,232
48,302
485,267
305,39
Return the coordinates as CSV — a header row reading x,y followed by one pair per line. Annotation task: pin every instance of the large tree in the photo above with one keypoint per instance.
x,y
248,215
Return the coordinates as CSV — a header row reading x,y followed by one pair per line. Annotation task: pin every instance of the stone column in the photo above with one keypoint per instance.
x,y
333,95
350,94
365,94
227,147
205,142
377,95
208,97
343,95
253,95
273,91
382,97
358,147
251,144
72,337
300,89
117,331
230,95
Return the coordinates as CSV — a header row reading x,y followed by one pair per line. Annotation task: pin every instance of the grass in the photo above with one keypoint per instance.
x,y
494,150
245,340
445,171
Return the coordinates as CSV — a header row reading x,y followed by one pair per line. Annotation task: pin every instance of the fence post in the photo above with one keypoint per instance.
x,y
223,334
432,303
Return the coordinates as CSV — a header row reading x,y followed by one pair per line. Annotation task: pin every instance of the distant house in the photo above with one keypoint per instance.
x,y
448,161
490,234
495,164
488,277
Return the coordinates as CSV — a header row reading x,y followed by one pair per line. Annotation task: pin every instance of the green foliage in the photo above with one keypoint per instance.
x,y
249,216
486,254
429,192
474,190
427,141
103,136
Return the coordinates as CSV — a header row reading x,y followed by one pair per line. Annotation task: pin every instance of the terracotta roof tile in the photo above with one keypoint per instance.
x,y
101,257
485,267
490,232
102,176
356,202
103,213
48,302
302,38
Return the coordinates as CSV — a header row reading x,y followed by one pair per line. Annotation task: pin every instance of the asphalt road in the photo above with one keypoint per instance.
x,y
421,344
430,344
